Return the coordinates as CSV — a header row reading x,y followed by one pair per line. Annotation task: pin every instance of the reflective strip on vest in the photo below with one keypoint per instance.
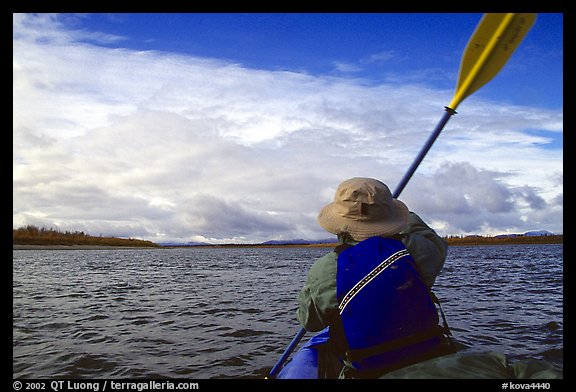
x,y
368,278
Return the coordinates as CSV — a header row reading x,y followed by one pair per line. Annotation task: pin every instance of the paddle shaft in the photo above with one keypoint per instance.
x,y
431,139
287,353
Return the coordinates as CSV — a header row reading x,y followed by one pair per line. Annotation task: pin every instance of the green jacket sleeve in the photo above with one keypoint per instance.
x,y
317,299
426,248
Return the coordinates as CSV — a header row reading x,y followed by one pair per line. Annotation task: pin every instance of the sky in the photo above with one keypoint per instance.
x,y
238,128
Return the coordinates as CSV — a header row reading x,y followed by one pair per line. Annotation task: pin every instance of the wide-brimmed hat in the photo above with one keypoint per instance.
x,y
364,208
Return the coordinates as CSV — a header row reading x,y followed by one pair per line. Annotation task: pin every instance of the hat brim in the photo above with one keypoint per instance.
x,y
361,229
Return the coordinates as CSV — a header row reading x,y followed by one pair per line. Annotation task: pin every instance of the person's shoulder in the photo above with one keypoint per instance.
x,y
327,258
328,261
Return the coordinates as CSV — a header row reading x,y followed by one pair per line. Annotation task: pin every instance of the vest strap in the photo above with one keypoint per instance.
x,y
447,331
359,354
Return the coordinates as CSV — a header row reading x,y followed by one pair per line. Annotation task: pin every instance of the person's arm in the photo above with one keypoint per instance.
x,y
425,246
317,299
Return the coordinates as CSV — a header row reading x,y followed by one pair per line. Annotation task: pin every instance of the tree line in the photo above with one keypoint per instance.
x,y
33,235
488,240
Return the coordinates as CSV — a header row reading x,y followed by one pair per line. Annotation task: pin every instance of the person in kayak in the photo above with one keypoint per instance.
x,y
373,290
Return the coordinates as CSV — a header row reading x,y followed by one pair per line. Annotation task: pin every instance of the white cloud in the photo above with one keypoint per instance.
x,y
346,67
382,57
169,147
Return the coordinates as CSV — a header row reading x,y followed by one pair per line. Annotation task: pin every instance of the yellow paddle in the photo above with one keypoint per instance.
x,y
493,42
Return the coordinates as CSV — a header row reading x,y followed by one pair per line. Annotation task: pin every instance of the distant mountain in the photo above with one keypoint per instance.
x,y
300,241
191,243
537,233
534,233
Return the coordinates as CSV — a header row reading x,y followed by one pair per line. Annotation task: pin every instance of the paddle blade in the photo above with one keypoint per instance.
x,y
493,42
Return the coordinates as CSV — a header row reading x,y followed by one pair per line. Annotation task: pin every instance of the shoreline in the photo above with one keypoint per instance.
x,y
460,242
78,247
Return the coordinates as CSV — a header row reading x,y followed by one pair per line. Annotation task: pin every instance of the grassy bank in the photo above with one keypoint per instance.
x,y
486,240
32,235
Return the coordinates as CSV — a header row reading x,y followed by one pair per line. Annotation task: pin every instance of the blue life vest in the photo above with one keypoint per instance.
x,y
388,316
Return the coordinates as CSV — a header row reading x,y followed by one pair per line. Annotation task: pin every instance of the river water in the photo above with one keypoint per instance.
x,y
205,313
